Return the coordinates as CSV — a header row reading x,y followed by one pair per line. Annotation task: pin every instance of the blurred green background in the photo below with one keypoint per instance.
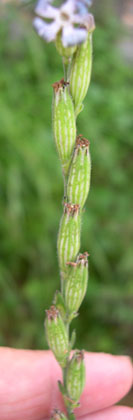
x,y
31,185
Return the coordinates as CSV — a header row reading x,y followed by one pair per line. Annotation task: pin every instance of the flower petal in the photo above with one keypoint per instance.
x,y
72,36
68,7
47,31
44,9
89,22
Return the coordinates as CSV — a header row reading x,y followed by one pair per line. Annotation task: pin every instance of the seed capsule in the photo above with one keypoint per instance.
x,y
75,377
64,125
80,73
80,171
58,415
68,242
57,336
76,283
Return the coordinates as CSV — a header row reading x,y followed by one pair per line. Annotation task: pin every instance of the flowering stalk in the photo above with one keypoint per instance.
x,y
71,28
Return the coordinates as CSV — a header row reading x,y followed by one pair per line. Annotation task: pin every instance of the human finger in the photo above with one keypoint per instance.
x,y
112,413
29,390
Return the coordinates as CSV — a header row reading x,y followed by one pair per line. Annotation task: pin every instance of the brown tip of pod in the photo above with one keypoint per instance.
x,y
58,85
82,142
52,313
79,355
81,259
71,209
56,414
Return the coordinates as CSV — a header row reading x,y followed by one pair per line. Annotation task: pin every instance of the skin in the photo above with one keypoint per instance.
x,y
29,391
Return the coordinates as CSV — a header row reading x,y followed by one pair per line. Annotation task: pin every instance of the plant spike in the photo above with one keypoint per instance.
x,y
71,29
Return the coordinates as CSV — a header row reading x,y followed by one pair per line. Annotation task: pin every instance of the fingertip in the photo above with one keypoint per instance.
x,y
112,413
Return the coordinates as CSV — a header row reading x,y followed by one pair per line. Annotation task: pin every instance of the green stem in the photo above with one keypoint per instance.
x,y
65,187
65,66
71,415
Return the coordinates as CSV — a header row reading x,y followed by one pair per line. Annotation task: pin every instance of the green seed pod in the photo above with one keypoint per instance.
x,y
76,283
80,72
67,52
57,336
58,415
60,304
80,171
75,377
68,242
64,125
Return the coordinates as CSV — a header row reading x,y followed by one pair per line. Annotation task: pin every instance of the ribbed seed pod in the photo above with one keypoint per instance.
x,y
58,415
75,377
80,72
68,242
76,283
64,125
80,171
57,336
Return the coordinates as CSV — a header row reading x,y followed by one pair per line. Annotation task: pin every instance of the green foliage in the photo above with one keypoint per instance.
x,y
31,190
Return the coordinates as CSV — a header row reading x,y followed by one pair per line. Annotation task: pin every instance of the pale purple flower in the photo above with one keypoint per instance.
x,y
71,19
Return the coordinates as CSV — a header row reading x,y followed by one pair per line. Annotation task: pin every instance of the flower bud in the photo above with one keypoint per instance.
x,y
68,242
75,377
58,415
76,283
80,171
64,125
65,52
80,73
57,336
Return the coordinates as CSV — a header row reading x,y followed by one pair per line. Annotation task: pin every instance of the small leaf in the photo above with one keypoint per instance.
x,y
79,109
61,387
73,339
